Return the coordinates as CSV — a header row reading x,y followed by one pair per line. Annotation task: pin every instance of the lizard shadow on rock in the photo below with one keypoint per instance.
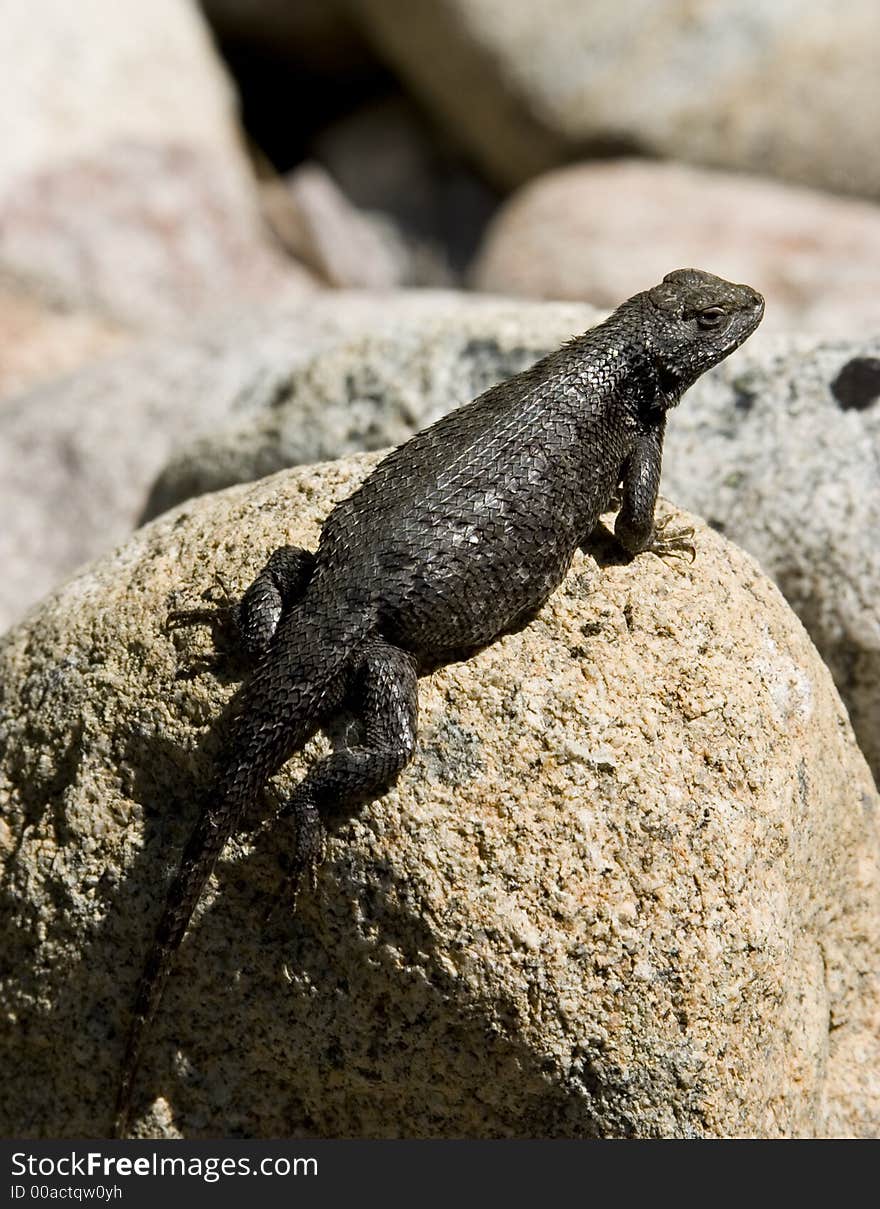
x,y
70,950
289,999
604,548
75,1046
98,940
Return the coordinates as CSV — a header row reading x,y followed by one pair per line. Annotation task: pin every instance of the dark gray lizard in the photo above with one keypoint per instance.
x,y
457,537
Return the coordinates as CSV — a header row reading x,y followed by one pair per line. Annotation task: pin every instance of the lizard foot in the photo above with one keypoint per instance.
x,y
672,543
221,614
310,848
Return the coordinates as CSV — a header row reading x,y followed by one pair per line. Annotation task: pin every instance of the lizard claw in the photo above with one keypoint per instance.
x,y
311,850
221,611
176,619
221,616
672,543
291,886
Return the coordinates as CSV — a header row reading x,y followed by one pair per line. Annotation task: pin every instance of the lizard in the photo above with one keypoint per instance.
x,y
456,537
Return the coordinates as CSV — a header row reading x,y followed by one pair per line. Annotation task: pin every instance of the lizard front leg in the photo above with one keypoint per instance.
x,y
386,681
635,527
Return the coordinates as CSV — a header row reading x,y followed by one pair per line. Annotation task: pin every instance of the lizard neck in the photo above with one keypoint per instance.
x,y
639,383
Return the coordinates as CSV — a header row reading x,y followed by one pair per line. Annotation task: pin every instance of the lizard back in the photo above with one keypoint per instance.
x,y
474,521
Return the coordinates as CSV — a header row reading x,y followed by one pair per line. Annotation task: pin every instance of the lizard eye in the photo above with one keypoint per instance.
x,y
713,316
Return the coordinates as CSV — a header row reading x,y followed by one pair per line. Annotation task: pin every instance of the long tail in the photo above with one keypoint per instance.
x,y
200,855
278,710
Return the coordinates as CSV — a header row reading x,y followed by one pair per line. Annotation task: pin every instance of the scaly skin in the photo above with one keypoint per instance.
x,y
456,538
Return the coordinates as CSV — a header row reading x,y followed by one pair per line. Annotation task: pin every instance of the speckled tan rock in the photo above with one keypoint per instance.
x,y
628,886
778,451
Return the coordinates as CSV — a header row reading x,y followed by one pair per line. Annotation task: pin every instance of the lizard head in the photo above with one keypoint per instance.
x,y
696,320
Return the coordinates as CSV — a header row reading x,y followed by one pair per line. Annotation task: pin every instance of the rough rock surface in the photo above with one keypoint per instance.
x,y
123,182
779,450
599,231
77,457
628,886
736,83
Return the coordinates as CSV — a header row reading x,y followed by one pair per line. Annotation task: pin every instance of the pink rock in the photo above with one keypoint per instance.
x,y
600,231
124,186
41,340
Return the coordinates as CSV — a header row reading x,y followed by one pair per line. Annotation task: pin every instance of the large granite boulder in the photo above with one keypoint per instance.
x,y
784,89
627,888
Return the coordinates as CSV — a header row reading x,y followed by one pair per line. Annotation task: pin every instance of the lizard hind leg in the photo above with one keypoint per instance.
x,y
386,690
249,624
279,585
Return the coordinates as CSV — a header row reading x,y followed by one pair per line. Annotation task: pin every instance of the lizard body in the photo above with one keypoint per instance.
x,y
458,536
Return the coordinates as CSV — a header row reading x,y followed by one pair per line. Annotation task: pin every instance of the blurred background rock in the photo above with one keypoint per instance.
x,y
161,161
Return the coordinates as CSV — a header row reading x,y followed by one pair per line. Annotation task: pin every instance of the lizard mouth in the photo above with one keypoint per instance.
x,y
752,317
750,322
